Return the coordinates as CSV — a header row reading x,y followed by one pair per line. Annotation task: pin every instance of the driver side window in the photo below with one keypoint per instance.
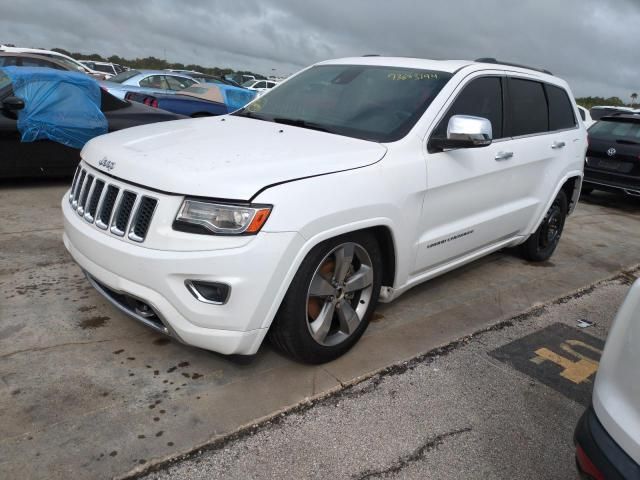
x,y
482,97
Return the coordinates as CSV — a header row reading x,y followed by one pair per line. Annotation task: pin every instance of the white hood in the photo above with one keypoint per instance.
x,y
224,157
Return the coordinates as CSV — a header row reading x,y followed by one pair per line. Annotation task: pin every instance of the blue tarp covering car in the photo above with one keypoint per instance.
x,y
60,106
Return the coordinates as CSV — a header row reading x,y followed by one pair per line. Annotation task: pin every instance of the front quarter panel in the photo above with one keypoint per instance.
x,y
389,193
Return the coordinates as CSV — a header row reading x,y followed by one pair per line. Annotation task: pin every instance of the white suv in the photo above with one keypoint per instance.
x,y
353,181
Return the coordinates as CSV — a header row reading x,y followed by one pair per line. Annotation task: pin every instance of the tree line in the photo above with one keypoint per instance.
x,y
153,63
588,102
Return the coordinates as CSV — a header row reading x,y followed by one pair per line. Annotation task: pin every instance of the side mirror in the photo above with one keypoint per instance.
x,y
464,131
13,104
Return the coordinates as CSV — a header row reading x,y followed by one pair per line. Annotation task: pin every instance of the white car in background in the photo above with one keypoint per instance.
x,y
607,437
585,116
260,86
57,56
108,68
353,181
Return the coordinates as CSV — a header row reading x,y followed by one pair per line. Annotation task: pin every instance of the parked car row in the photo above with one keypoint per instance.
x,y
49,157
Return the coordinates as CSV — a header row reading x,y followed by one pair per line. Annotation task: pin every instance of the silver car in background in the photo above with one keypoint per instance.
x,y
148,81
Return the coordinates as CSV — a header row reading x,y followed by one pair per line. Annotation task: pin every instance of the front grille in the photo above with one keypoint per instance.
x,y
90,211
143,218
113,209
123,213
84,194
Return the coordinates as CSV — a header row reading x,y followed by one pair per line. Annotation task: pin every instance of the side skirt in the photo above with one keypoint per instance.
x,y
388,294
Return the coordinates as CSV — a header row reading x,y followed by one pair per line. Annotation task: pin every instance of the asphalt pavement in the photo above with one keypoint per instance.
x,y
86,392
491,405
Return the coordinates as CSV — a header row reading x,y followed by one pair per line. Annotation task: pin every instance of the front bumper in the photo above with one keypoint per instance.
x,y
255,270
602,452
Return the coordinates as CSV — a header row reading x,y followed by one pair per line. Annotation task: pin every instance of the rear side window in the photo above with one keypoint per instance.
x,y
560,109
582,114
482,97
36,62
528,107
8,61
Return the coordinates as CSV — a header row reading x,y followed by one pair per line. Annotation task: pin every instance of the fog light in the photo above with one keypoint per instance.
x,y
209,292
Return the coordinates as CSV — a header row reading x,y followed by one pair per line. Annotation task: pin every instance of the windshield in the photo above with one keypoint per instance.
x,y
368,102
616,129
249,83
124,76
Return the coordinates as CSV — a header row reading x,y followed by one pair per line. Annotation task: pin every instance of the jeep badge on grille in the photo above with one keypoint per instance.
x,y
108,164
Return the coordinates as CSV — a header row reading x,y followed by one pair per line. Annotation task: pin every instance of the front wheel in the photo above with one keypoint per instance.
x,y
543,242
331,299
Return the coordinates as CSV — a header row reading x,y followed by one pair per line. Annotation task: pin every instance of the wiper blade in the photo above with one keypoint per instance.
x,y
303,124
627,142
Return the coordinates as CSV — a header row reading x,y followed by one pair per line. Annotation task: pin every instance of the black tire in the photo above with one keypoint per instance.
x,y
291,331
586,190
542,243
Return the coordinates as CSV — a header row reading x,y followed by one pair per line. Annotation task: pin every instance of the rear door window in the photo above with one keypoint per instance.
x,y
179,83
155,81
482,97
560,109
8,61
528,110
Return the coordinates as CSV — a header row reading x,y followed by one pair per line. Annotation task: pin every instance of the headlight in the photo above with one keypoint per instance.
x,y
221,218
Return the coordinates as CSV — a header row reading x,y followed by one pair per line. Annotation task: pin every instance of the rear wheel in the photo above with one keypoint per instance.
x,y
543,242
331,299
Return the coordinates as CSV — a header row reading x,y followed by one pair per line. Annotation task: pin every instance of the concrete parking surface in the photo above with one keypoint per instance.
x,y
86,392
456,413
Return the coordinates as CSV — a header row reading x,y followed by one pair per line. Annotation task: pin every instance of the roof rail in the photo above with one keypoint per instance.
x,y
371,55
499,62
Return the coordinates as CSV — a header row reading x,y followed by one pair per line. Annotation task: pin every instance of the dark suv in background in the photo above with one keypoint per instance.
x,y
613,157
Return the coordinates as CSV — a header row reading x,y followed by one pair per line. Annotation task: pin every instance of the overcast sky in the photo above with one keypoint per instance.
x,y
593,44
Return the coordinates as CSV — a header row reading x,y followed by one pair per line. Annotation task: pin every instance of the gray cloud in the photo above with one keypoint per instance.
x,y
590,43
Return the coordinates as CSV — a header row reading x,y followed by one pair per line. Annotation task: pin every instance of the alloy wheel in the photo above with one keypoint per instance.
x,y
339,294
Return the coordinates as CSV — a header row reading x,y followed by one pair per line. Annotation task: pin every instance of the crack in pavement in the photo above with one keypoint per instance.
x,y
413,457
50,347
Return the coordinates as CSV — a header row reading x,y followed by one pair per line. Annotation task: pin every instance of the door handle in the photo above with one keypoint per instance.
x,y
503,156
557,145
